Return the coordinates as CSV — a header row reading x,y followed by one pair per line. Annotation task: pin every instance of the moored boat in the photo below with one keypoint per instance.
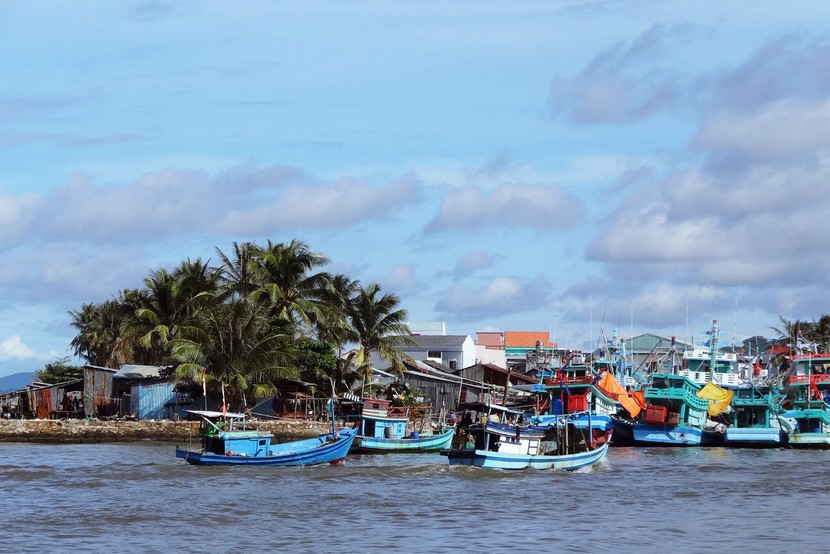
x,y
755,420
384,429
808,391
559,445
675,415
224,441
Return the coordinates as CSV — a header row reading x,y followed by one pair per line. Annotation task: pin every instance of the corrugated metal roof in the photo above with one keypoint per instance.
x,y
137,372
444,343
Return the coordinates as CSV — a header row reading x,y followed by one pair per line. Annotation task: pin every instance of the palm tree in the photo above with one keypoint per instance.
x,y
331,326
237,348
379,327
821,333
288,283
236,273
101,339
171,306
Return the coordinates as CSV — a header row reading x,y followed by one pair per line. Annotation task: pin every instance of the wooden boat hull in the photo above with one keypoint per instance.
x,y
494,460
431,443
674,435
319,450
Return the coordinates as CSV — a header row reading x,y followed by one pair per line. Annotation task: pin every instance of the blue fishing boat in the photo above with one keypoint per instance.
x,y
384,429
497,445
224,441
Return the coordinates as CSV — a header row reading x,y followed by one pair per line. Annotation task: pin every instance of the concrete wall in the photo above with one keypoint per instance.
x,y
82,431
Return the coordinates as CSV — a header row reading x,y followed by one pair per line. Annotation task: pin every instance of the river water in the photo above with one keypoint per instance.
x,y
139,497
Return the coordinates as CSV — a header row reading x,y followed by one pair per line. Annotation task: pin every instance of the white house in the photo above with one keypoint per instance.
x,y
453,351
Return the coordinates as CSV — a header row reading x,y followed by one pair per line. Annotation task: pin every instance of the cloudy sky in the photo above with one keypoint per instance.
x,y
569,166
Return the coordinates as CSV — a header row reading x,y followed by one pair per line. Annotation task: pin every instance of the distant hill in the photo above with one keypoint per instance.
x,y
16,381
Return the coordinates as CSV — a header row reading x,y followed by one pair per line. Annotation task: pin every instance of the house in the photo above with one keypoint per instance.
x,y
453,351
519,351
494,379
649,351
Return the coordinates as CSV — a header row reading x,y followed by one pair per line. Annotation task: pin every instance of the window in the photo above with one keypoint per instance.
x,y
434,354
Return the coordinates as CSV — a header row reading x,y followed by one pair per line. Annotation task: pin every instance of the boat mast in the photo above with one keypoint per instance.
x,y
713,349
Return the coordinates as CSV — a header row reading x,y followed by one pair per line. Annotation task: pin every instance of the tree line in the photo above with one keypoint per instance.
x,y
261,316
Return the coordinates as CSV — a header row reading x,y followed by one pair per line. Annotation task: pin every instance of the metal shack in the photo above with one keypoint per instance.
x,y
98,400
141,392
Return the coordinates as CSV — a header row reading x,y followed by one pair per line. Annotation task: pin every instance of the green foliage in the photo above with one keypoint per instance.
x,y
315,358
263,315
59,371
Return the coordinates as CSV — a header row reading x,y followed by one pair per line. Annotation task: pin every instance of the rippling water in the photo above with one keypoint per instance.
x,y
138,497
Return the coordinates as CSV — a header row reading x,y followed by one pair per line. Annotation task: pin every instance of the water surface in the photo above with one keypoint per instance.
x,y
138,497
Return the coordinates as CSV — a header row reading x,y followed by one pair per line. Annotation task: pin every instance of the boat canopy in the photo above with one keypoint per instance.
x,y
484,407
719,398
211,413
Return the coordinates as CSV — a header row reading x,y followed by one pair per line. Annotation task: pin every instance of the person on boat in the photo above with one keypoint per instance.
x,y
756,367
785,365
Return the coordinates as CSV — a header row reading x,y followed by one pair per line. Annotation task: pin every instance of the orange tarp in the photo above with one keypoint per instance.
x,y
633,402
610,384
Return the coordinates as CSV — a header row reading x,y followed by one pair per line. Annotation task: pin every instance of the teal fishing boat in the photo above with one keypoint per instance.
x,y
807,386
756,419
675,415
387,429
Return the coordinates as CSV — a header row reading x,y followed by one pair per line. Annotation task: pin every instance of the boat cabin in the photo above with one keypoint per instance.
x,y
225,433
380,419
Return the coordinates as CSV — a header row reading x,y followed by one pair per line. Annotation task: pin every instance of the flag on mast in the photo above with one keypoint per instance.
x,y
224,406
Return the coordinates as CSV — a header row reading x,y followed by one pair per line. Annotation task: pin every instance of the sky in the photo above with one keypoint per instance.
x,y
565,166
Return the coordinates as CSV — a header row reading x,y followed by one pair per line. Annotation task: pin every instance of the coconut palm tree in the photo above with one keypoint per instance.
x,y
236,274
171,306
379,327
101,339
288,283
821,333
237,348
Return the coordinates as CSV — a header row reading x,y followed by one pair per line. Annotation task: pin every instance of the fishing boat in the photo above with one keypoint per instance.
x,y
756,418
225,441
384,429
591,393
676,415
569,389
493,443
807,386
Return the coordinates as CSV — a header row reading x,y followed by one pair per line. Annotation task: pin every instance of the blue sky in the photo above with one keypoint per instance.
x,y
565,166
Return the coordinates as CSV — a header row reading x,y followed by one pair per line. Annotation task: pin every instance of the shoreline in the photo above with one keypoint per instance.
x,y
79,431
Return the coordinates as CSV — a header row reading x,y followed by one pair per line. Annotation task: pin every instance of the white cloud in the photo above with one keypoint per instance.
x,y
498,297
509,205
13,347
